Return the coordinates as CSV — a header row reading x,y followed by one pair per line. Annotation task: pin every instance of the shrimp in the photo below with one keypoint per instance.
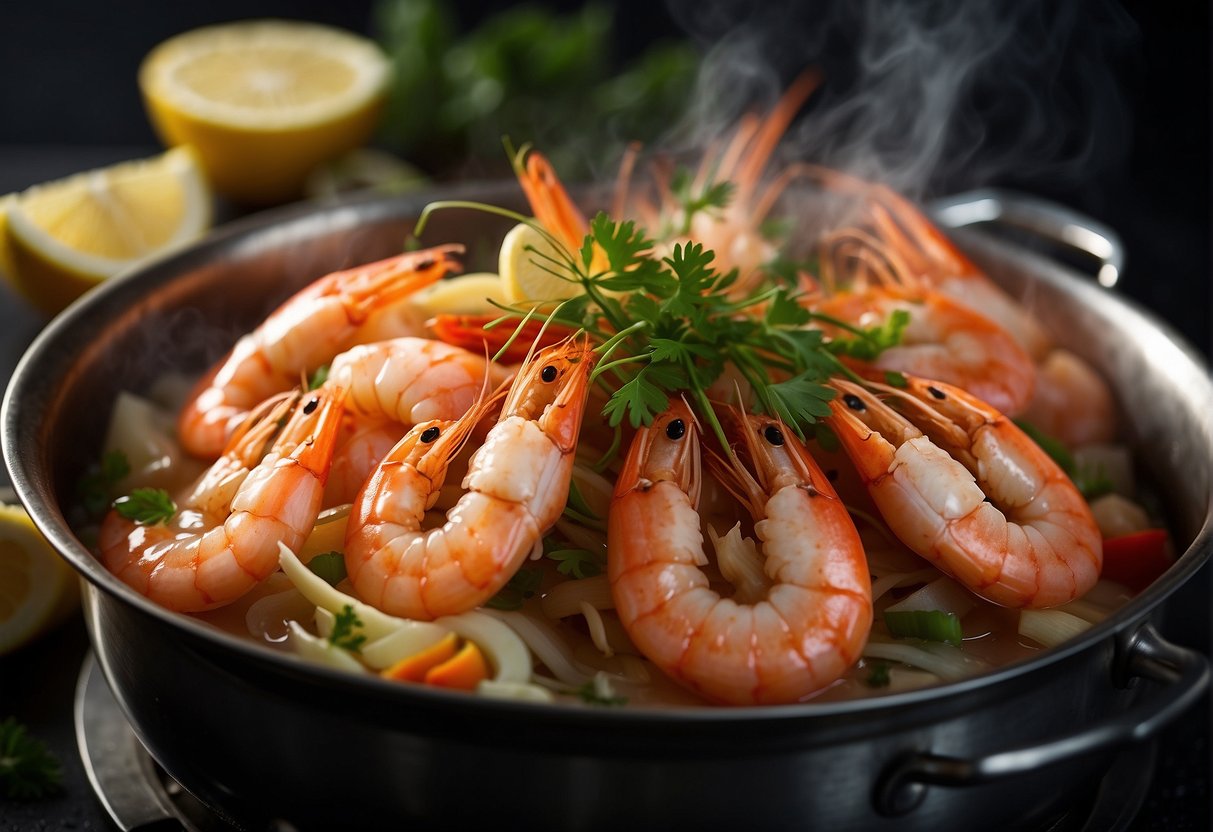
x,y
933,258
942,340
224,539
517,486
815,617
304,333
1072,402
392,386
410,380
963,487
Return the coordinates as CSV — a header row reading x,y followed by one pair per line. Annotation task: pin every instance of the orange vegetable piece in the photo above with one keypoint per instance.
x,y
463,672
415,667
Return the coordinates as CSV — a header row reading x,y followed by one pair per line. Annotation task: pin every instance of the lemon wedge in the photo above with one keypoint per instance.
x,y
527,262
64,237
37,589
468,294
264,102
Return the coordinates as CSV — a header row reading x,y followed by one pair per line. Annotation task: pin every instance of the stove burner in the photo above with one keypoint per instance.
x,y
141,797
136,793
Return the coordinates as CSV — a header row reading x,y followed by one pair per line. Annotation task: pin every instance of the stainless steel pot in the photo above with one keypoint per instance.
x,y
258,734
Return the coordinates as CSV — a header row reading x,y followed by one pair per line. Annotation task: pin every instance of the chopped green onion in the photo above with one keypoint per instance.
x,y
928,625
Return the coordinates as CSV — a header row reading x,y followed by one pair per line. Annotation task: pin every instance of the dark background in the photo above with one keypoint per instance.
x,y
1126,86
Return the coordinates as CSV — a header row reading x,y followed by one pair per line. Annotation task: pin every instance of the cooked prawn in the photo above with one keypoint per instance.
x,y
304,333
962,486
392,386
1072,402
933,258
942,340
517,486
814,619
224,538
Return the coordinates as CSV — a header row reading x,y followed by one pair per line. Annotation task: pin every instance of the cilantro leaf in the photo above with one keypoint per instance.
x,y
95,488
577,563
523,585
345,630
28,770
800,400
146,506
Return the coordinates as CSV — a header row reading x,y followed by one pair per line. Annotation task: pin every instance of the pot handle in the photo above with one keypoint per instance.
x,y
1055,223
1185,674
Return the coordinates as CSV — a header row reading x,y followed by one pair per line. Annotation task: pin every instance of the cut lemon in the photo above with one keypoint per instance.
x,y
530,267
64,237
37,589
469,294
264,102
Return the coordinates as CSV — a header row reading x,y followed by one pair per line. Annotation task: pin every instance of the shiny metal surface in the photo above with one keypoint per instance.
x,y
219,712
1047,219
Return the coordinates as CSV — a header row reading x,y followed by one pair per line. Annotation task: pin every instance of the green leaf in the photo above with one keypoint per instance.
x,y
577,563
346,627
330,566
590,694
639,399
28,770
146,506
318,378
800,400
95,489
878,675
1055,448
868,344
523,585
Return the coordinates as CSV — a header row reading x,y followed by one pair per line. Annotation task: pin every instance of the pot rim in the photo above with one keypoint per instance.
x,y
344,215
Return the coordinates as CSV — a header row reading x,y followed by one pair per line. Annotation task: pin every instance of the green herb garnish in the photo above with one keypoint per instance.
x,y
711,196
330,566
579,511
318,378
878,675
577,563
928,625
592,695
344,633
523,585
146,506
95,489
28,770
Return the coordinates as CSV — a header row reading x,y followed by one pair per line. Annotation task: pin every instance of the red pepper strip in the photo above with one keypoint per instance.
x,y
468,331
1136,559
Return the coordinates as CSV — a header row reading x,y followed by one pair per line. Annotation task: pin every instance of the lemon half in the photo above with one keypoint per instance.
x,y
265,102
37,589
63,237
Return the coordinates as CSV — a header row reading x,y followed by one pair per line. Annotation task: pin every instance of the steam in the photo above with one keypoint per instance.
x,y
925,96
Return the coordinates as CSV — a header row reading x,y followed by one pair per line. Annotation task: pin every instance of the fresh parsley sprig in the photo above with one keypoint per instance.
x,y
146,506
28,770
669,325
347,630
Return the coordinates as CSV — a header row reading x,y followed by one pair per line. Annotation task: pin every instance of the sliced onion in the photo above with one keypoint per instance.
x,y
1051,627
943,594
